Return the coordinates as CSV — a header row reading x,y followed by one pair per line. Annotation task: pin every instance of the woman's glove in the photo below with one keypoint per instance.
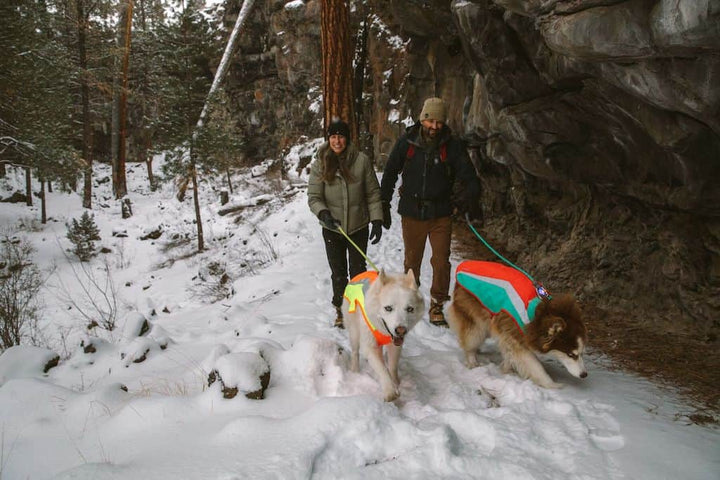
x,y
376,231
327,220
387,220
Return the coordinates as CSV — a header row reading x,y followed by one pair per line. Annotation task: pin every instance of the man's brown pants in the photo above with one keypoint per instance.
x,y
438,231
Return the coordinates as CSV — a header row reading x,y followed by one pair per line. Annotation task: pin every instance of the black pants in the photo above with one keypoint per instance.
x,y
339,251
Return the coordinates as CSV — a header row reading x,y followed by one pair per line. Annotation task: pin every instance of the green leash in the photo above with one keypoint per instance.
x,y
357,248
540,289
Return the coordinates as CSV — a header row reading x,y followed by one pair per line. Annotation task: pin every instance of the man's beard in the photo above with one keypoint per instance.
x,y
430,133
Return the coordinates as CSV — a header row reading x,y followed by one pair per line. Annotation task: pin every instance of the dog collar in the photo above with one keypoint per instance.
x,y
355,295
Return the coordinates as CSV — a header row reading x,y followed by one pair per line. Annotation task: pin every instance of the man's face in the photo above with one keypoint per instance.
x,y
431,128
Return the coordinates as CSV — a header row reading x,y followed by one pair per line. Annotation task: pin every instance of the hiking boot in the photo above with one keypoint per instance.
x,y
437,317
339,318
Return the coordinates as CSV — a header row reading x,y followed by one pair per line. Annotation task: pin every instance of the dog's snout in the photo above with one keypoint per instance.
x,y
400,331
583,374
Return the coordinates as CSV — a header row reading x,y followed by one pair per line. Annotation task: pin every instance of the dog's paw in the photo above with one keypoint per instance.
x,y
551,384
390,396
471,361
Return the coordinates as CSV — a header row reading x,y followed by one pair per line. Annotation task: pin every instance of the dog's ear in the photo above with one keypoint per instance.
x,y
410,279
554,326
382,277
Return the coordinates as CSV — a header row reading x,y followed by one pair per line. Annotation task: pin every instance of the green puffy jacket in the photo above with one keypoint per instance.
x,y
354,203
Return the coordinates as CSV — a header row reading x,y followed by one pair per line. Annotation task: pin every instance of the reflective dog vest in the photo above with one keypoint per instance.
x,y
355,295
500,288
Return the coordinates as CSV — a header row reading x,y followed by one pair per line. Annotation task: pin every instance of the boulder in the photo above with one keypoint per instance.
x,y
241,372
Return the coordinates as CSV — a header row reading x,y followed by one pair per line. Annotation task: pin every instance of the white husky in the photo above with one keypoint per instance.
x,y
380,310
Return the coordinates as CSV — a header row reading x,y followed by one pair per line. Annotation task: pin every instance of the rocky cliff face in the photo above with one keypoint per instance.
x,y
594,125
274,81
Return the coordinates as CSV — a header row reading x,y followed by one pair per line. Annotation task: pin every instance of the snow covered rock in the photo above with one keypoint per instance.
x,y
23,361
161,336
243,372
136,325
92,345
138,350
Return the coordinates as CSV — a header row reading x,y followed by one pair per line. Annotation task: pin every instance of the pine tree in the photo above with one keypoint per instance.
x,y
35,78
145,84
83,235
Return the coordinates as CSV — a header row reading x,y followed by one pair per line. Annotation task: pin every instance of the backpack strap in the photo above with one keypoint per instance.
x,y
410,153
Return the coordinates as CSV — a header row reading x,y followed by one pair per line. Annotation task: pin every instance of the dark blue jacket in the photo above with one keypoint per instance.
x,y
428,175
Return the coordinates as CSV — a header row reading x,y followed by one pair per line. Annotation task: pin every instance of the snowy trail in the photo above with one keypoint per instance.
x,y
530,430
318,419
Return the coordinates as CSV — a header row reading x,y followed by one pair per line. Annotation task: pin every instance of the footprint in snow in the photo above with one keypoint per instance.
x,y
606,440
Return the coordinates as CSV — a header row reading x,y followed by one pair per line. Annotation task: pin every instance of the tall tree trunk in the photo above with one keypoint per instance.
x,y
143,156
28,187
151,177
115,120
43,211
121,185
337,66
360,62
82,25
196,201
145,134
227,172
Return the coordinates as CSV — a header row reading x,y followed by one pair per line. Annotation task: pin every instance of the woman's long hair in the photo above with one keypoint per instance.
x,y
333,162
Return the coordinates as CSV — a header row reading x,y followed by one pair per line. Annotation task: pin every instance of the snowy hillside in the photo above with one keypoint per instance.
x,y
140,407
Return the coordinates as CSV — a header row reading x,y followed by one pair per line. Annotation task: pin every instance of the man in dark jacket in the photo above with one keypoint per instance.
x,y
430,159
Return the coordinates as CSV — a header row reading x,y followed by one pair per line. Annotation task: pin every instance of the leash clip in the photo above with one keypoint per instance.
x,y
542,292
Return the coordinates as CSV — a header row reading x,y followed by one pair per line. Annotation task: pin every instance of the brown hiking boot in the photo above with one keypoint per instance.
x,y
437,317
339,318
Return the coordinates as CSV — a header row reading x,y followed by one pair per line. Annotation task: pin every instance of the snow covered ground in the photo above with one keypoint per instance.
x,y
103,415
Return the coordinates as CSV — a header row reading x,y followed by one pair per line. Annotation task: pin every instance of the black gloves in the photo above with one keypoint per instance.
x,y
376,231
387,220
327,220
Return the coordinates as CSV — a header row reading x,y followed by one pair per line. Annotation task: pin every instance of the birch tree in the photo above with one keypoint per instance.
x,y
191,174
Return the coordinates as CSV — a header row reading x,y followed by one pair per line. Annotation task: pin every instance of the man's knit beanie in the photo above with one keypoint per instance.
x,y
434,109
338,127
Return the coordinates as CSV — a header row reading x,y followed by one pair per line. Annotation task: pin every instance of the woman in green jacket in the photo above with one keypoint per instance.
x,y
343,191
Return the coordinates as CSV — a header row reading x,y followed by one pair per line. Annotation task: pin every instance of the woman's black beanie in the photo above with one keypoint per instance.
x,y
339,127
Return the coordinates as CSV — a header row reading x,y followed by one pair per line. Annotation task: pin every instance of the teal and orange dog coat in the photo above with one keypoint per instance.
x,y
355,295
500,288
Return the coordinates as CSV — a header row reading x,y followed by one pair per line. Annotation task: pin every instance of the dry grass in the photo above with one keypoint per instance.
x,y
167,388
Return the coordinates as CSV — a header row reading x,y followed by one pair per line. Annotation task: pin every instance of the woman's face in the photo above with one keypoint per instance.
x,y
338,143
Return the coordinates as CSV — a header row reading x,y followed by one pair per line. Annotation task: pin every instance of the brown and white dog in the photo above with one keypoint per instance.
x,y
556,328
